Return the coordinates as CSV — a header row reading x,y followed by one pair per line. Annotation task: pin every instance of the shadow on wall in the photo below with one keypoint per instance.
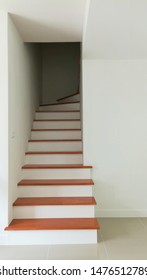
x,y
31,30
60,76
60,60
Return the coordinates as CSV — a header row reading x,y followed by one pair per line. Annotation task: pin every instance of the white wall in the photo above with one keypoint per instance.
x,y
24,93
116,29
115,134
3,123
47,20
60,76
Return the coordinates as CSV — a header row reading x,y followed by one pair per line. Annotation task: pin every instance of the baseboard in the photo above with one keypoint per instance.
x,y
116,213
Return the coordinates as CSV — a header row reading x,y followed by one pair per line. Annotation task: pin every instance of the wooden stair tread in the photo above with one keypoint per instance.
x,y
55,140
54,153
59,111
52,166
62,129
58,182
64,103
54,224
38,201
57,120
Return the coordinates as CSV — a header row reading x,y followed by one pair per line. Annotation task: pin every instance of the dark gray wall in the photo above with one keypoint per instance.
x,y
60,70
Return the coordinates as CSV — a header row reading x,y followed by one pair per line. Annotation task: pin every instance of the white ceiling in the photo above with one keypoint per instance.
x,y
47,20
116,29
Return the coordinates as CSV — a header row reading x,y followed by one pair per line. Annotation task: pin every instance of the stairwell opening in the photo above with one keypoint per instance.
x,y
60,70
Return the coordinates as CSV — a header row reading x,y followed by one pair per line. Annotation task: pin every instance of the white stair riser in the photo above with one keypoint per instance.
x,y
54,159
58,211
57,115
48,135
55,146
60,107
54,191
44,237
56,124
71,99
72,173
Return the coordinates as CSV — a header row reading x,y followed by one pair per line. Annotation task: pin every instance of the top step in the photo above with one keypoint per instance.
x,y
66,106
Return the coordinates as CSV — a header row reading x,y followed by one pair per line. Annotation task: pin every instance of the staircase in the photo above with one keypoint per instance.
x,y
55,203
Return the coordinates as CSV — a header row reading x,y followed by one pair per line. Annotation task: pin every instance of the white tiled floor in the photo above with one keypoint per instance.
x,y
119,238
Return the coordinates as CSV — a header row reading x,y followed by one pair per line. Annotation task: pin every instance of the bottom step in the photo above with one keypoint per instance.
x,y
54,224
52,231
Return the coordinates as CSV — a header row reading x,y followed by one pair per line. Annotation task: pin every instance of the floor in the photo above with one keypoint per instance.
x,y
119,238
